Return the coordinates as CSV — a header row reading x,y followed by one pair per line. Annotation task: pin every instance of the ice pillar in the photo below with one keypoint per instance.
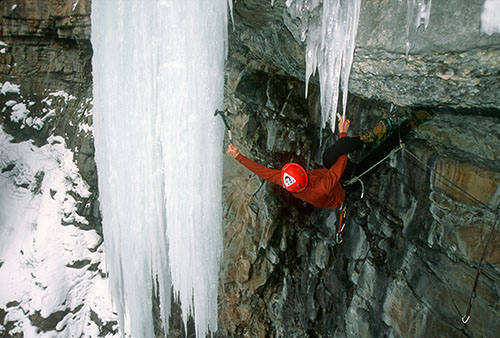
x,y
158,78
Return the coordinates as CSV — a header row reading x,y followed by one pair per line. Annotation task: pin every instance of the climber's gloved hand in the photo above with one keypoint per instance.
x,y
344,125
232,150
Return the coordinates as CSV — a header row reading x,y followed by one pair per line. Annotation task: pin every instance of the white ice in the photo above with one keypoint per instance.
x,y
490,17
158,69
418,14
329,32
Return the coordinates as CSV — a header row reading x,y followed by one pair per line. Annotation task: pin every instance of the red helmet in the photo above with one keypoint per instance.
x,y
293,177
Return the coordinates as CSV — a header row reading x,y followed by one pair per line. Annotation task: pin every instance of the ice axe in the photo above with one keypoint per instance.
x,y
222,114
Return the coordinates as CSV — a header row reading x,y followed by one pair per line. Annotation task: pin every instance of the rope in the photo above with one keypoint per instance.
x,y
465,192
358,178
465,318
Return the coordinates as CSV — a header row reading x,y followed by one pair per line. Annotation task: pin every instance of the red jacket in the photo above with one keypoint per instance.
x,y
323,189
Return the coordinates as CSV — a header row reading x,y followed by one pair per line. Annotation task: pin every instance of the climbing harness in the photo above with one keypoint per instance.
x,y
358,178
342,222
342,209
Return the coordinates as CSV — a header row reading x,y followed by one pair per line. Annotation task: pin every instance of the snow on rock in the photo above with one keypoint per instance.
x,y
35,118
8,87
50,269
19,112
67,97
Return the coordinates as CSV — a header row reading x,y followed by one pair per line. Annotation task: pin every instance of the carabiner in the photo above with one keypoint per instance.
x,y
339,238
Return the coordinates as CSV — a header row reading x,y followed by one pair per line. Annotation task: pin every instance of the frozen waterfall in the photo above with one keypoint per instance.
x,y
158,78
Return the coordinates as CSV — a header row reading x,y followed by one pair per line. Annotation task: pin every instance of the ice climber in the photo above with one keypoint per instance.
x,y
323,187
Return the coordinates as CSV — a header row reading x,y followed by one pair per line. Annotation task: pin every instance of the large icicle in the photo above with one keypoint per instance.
x,y
158,77
330,33
418,14
490,17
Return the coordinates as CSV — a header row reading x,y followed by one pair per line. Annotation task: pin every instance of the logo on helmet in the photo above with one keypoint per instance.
x,y
294,177
288,180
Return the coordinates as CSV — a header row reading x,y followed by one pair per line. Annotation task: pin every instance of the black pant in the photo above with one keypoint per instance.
x,y
346,145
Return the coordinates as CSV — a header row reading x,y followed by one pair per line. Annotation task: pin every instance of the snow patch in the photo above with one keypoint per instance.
x,y
67,97
49,263
19,112
86,128
8,87
47,101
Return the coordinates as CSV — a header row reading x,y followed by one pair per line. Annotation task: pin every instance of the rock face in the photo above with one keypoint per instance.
x,y
413,243
48,54
451,63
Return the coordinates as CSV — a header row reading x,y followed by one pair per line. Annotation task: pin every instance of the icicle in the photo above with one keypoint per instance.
x,y
490,17
272,129
418,14
329,29
230,5
158,70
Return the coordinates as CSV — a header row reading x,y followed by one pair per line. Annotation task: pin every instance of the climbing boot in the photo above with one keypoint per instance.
x,y
382,128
